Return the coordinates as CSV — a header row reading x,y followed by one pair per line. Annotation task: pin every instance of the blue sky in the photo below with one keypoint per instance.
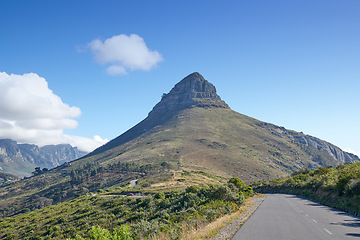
x,y
292,63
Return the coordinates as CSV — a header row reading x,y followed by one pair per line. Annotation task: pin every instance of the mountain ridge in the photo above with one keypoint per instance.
x,y
21,159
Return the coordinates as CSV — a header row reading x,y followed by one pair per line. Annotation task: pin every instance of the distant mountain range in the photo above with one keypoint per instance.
x,y
21,159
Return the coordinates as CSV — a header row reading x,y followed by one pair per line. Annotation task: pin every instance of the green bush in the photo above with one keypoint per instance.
x,y
337,187
98,233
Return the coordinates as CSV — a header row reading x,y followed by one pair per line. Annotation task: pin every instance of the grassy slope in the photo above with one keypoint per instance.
x,y
5,177
215,140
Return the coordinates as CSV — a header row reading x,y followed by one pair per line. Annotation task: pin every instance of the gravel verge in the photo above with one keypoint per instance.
x,y
231,228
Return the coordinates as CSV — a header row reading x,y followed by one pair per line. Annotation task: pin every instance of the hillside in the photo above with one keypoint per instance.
x,y
164,215
221,141
21,159
5,177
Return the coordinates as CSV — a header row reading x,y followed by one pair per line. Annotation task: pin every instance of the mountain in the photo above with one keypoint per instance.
x,y
21,159
190,137
193,129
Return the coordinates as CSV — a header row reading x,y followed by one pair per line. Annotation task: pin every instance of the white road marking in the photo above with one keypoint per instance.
x,y
327,231
315,221
306,214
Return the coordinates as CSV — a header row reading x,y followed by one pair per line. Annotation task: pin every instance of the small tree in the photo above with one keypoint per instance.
x,y
37,171
238,183
241,186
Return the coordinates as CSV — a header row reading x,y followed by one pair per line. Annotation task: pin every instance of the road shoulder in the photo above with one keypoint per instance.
x,y
233,226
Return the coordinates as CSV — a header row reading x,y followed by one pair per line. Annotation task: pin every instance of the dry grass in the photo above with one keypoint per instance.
x,y
209,230
180,180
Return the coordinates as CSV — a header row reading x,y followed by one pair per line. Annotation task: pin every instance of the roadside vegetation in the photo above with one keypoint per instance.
x,y
337,187
107,214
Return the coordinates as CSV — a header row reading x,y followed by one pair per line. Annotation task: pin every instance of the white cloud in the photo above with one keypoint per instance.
x,y
123,52
28,97
116,70
86,144
31,113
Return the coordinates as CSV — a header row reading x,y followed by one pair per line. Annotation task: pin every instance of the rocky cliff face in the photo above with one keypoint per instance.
x,y
192,91
332,150
320,150
21,159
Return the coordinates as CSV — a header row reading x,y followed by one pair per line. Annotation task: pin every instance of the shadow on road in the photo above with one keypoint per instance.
x,y
349,223
353,235
315,204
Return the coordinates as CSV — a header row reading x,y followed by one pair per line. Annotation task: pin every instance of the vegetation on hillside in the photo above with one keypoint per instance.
x,y
338,187
65,183
7,178
109,214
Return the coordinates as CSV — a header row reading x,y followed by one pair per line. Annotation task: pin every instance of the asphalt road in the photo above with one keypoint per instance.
x,y
287,217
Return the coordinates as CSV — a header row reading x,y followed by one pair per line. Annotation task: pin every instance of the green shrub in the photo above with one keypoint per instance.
x,y
337,187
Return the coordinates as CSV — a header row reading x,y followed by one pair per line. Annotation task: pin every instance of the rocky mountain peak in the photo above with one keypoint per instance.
x,y
192,91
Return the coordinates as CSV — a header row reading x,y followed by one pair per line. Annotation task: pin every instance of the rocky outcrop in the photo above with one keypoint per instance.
x,y
317,148
192,91
21,159
323,146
